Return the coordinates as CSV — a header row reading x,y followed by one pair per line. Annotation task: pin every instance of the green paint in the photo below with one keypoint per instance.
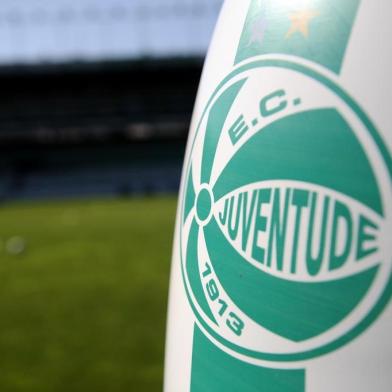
x,y
341,216
363,249
189,196
295,310
222,216
193,271
300,200
266,109
264,196
216,120
314,263
237,130
233,228
213,371
298,211
336,344
285,148
268,27
203,204
383,300
278,229
247,217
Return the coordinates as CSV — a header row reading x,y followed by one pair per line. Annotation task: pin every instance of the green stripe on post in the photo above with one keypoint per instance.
x,y
213,370
317,31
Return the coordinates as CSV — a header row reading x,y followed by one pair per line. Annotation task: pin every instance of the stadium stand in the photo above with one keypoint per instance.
x,y
96,97
112,129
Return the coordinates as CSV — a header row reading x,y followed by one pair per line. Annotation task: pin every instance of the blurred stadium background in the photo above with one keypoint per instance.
x,y
95,102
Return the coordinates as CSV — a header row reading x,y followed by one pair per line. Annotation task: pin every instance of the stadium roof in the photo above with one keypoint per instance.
x,y
61,31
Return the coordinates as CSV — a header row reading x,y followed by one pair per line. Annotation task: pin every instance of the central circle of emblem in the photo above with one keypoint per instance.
x,y
204,203
284,235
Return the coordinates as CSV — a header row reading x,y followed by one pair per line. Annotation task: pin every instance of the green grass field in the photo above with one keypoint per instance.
x,y
83,306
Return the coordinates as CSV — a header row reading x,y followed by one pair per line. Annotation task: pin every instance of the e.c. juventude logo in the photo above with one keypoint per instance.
x,y
285,220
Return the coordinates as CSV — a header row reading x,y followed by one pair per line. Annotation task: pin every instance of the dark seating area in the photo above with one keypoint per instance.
x,y
103,129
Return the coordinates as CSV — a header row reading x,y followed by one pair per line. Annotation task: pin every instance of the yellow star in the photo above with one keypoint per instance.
x,y
300,22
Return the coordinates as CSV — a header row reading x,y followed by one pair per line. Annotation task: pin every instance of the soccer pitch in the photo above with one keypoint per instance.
x,y
83,294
